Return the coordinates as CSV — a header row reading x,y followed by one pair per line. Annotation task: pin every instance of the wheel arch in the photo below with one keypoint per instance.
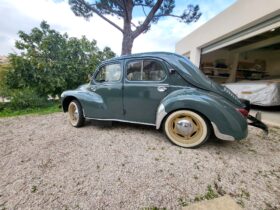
x,y
66,101
189,109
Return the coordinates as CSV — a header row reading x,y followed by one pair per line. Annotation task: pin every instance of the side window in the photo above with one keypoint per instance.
x,y
109,73
153,71
145,70
134,70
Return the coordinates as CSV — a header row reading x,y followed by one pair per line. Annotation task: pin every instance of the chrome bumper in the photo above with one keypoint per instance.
x,y
253,121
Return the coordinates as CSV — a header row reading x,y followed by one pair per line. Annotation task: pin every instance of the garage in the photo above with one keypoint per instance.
x,y
240,49
250,67
255,58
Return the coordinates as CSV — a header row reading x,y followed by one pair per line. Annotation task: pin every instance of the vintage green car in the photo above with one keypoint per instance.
x,y
164,90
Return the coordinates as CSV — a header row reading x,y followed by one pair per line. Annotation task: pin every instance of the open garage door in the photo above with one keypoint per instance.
x,y
247,33
254,58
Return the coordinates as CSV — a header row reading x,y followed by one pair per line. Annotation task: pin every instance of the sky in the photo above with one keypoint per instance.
x,y
24,15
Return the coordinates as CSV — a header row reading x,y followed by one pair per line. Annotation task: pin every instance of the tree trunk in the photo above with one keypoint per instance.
x,y
128,37
127,44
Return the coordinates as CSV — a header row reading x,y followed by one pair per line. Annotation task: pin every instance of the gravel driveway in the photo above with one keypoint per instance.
x,y
47,164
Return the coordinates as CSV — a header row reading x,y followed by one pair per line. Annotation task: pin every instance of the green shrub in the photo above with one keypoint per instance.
x,y
50,62
2,106
26,98
4,91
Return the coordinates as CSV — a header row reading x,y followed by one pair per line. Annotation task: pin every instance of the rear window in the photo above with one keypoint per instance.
x,y
145,70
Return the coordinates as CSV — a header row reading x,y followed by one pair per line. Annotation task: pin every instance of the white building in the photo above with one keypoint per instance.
x,y
242,42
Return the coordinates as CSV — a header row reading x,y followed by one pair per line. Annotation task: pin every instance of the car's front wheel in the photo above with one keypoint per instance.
x,y
186,128
75,113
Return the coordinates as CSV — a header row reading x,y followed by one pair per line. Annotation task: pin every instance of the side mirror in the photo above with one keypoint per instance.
x,y
172,71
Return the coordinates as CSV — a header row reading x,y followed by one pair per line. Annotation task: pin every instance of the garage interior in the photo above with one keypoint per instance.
x,y
255,58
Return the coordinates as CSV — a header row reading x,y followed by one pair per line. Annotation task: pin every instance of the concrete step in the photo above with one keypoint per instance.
x,y
221,203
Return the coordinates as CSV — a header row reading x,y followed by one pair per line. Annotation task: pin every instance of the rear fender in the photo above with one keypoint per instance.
x,y
227,123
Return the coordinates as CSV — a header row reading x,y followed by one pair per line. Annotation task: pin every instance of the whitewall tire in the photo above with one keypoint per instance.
x,y
75,114
186,128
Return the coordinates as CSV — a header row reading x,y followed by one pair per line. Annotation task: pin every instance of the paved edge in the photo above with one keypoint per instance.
x,y
221,203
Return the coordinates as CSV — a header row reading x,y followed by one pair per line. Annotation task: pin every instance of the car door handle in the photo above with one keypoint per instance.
x,y
161,88
93,89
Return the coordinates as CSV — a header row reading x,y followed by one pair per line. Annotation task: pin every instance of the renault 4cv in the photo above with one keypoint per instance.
x,y
164,90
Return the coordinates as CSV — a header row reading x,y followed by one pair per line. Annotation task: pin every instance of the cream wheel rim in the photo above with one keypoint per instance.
x,y
186,128
73,113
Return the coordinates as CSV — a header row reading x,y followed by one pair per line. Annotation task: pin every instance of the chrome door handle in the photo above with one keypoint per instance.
x,y
161,88
93,89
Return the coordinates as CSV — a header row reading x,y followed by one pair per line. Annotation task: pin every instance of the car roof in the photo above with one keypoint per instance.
x,y
162,55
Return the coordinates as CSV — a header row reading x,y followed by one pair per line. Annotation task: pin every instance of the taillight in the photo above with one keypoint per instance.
x,y
244,112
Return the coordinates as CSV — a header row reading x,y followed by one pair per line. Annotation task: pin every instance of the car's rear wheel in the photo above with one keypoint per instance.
x,y
75,113
186,128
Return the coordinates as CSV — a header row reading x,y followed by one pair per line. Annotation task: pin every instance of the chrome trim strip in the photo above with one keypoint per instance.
x,y
161,113
147,84
221,135
118,120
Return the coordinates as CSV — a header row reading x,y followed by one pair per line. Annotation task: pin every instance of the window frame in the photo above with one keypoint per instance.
x,y
159,61
108,82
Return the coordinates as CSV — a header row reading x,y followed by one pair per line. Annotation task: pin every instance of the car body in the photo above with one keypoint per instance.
x,y
163,90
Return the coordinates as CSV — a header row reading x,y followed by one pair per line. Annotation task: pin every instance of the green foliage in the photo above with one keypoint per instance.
x,y
50,62
4,67
183,202
7,111
209,195
34,189
152,10
26,98
121,9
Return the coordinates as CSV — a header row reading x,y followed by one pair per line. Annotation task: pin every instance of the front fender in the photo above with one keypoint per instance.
x,y
85,97
227,122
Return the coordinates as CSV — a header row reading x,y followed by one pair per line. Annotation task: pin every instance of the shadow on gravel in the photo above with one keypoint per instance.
x,y
213,142
116,125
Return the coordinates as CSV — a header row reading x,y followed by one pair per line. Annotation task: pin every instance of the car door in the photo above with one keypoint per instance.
x,y
106,88
145,85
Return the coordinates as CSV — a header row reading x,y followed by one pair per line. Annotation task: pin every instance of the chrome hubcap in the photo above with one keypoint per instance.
x,y
76,114
184,127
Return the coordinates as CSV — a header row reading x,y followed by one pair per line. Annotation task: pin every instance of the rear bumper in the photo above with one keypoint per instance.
x,y
254,121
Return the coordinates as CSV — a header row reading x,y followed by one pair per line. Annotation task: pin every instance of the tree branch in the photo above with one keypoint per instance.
x,y
106,19
121,3
133,24
148,19
144,11
168,15
96,11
